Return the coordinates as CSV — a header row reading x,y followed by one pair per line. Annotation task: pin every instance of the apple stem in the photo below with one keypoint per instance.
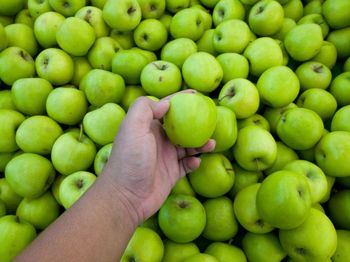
x,y
81,133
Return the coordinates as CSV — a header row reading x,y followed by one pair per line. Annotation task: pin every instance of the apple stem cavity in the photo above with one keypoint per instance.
x,y
152,7
66,5
80,183
260,10
300,250
318,68
260,223
131,10
182,204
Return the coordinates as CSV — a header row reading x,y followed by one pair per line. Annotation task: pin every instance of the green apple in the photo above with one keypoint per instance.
x,y
263,247
93,16
81,68
226,10
3,38
339,7
284,199
66,105
241,96
102,124
293,9
221,223
340,119
124,38
67,7
102,157
274,114
174,6
29,175
9,197
144,245
166,20
37,134
55,188
215,170
225,133
255,148
22,36
191,119
182,218
300,128
4,159
45,28
129,65
15,235
209,3
10,120
54,65
285,155
161,78
187,23
130,95
243,178
205,43
228,30
225,252
309,36
38,7
6,100
178,50
315,19
123,15
72,151
318,100
10,8
233,65
24,17
74,186
15,63
262,54
315,177
340,87
201,257
30,94
340,38
342,252
278,86
101,53
313,7
151,56
40,212
176,252
74,30
338,209
313,75
255,120
246,212
210,68
98,3
332,153
183,186
6,20
150,34
206,15
101,87
152,223
287,25
314,240
152,8
266,17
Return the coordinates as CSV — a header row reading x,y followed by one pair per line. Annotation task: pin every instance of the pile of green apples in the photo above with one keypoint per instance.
x,y
273,89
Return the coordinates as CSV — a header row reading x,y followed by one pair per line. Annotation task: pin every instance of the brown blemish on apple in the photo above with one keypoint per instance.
x,y
317,68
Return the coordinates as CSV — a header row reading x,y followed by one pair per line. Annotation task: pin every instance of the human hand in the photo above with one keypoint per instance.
x,y
144,165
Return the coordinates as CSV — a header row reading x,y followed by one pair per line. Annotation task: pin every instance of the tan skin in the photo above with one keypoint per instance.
x,y
137,179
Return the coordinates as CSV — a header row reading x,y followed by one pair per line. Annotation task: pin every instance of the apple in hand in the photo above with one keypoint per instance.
x,y
29,175
178,50
123,15
191,119
9,197
10,120
93,16
150,35
102,157
15,235
255,148
72,151
144,245
217,172
15,63
40,212
176,252
225,252
233,65
314,240
226,10
102,124
67,7
37,134
182,218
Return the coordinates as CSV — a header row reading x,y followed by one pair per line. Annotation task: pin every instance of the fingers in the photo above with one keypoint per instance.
x,y
189,164
185,152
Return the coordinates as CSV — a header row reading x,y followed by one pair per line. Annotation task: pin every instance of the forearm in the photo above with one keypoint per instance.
x,y
97,228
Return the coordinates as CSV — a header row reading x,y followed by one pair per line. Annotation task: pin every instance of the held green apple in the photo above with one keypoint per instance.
x,y
29,175
15,235
176,252
314,240
36,8
226,10
37,134
144,245
150,35
284,200
93,16
191,119
255,148
74,186
40,212
217,172
339,209
225,252
182,218
9,197
74,30
102,157
233,66
340,119
10,120
123,15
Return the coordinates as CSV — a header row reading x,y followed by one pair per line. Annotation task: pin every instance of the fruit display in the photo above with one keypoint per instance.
x,y
271,85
